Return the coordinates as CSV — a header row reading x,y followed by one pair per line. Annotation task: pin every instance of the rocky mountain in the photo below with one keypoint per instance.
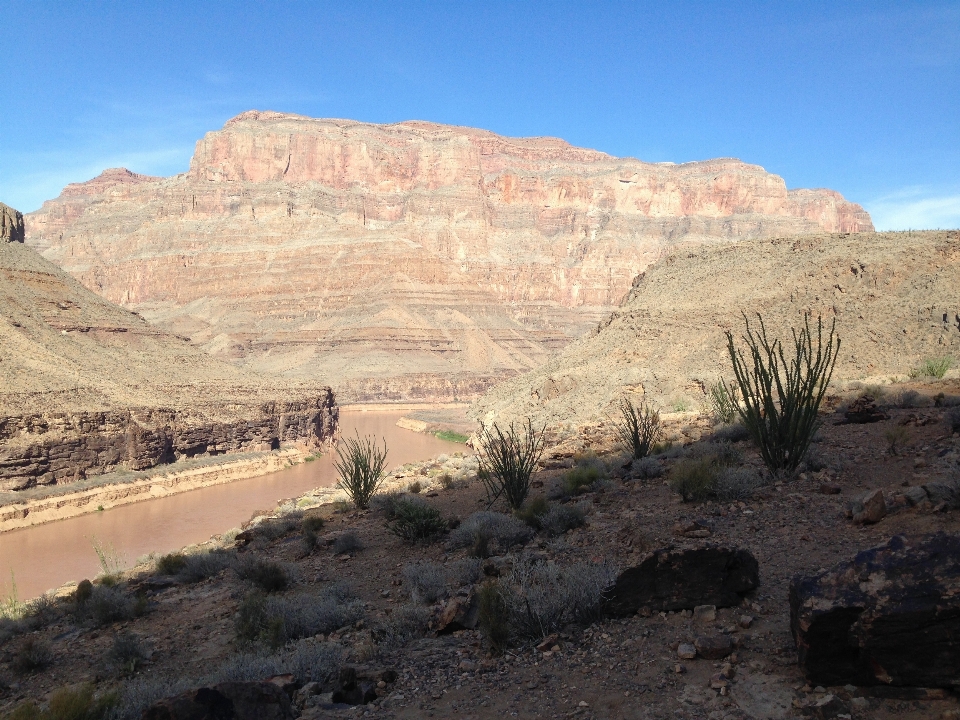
x,y
88,387
895,298
412,260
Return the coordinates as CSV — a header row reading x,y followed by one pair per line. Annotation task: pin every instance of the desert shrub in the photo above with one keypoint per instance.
x,y
275,528
723,453
414,488
126,654
106,605
426,582
694,479
490,529
404,624
267,575
493,618
897,437
83,592
310,528
465,571
730,433
347,543
532,510
275,620
638,428
648,468
414,519
541,599
508,459
171,564
201,566
952,418
584,475
933,367
32,654
817,460
387,502
78,702
446,481
781,398
360,464
724,400
736,483
910,399
561,518
667,450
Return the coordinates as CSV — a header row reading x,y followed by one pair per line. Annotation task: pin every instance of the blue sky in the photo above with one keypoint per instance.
x,y
860,97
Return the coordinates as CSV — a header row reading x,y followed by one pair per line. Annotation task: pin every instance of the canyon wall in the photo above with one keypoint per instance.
x,y
406,261
87,387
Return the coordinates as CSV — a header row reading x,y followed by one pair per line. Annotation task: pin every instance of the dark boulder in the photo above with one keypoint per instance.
x,y
226,701
864,410
891,616
677,579
353,688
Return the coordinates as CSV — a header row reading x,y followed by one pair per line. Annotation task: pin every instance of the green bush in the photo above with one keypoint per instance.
x,y
781,397
171,564
507,462
73,703
32,654
127,654
493,618
694,479
933,367
310,527
414,519
724,401
265,574
451,436
638,428
360,464
580,479
532,510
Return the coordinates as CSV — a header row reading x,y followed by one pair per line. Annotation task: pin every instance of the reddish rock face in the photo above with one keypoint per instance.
x,y
434,259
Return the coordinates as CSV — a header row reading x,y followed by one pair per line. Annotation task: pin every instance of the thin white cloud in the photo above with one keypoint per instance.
x,y
916,209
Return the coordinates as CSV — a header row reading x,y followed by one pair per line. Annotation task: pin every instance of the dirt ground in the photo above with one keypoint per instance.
x,y
614,668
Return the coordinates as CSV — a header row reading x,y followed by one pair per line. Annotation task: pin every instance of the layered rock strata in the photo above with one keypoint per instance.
x,y
87,387
894,297
408,261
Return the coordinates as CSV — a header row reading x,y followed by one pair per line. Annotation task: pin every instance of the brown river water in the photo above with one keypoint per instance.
x,y
46,556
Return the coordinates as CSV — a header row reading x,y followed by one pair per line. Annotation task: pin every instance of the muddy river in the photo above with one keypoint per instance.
x,y
46,556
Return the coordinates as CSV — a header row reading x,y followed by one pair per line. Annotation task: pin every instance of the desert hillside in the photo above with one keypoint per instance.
x,y
86,386
895,298
414,260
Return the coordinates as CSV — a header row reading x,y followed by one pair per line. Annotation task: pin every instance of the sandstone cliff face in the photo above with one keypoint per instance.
x,y
895,298
11,224
406,261
87,387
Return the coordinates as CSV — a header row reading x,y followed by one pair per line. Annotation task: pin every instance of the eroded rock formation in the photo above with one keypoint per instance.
x,y
11,224
87,387
412,260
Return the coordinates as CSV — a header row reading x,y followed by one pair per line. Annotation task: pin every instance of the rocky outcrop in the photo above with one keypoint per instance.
x,y
11,224
409,261
63,448
226,701
682,579
87,387
889,617
893,296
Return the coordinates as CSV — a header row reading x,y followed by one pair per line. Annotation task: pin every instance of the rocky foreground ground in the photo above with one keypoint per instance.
x,y
350,612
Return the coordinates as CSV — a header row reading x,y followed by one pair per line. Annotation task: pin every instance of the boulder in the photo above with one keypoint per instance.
x,y
226,701
864,410
682,579
715,646
890,616
460,613
874,509
354,689
945,493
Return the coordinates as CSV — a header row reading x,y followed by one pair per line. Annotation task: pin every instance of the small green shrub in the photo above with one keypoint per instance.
x,y
638,428
693,479
310,528
73,703
933,367
532,510
414,519
127,654
414,488
360,464
724,401
559,519
387,502
171,564
446,481
347,543
494,617
897,437
508,460
32,654
265,574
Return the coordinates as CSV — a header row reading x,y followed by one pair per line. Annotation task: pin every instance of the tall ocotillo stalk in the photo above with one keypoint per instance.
x,y
360,464
508,460
781,399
